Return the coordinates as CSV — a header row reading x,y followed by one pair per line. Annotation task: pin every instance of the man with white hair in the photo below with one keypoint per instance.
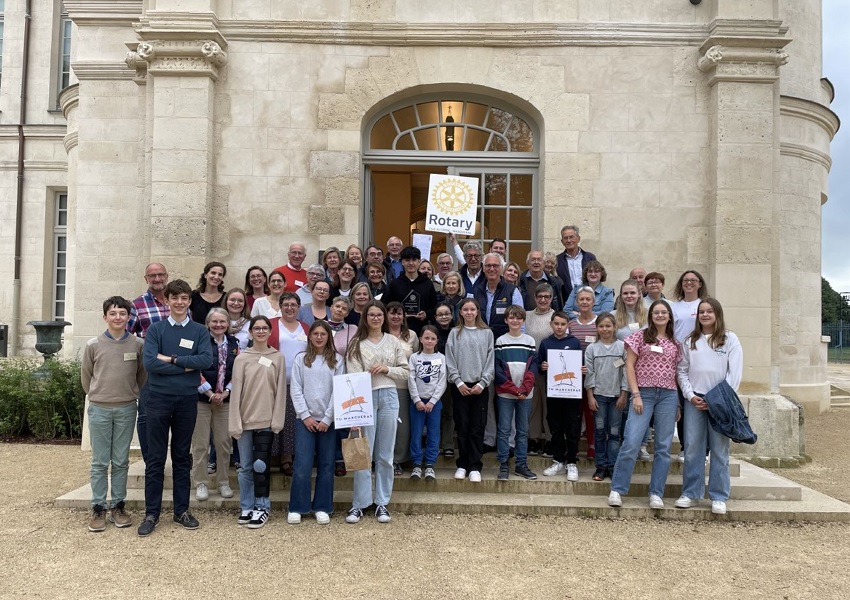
x,y
296,277
444,267
393,259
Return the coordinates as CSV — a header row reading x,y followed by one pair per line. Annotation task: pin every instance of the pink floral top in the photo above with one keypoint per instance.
x,y
655,369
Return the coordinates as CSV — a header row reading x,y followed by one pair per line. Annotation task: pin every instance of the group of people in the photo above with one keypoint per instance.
x,y
458,359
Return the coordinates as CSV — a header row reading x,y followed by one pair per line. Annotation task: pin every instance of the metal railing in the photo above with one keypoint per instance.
x,y
839,345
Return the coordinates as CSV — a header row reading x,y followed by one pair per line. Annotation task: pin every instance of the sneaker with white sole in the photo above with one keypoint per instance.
x,y
225,491
244,517
684,502
681,457
202,492
644,455
460,474
572,472
718,507
211,468
553,469
614,499
416,474
656,502
382,514
258,518
430,474
354,515
293,518
475,476
98,518
504,472
322,518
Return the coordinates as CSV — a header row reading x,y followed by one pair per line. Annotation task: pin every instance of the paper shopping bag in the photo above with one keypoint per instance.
x,y
355,451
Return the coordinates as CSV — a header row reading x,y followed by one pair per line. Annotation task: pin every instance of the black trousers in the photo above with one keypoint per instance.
x,y
564,418
470,413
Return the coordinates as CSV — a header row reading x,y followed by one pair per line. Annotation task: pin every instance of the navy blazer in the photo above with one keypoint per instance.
x,y
564,272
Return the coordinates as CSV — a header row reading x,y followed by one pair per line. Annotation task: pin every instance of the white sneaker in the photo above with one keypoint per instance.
x,y
322,518
614,499
475,476
572,472
293,518
202,492
681,457
718,507
553,469
225,491
644,454
460,474
684,502
656,502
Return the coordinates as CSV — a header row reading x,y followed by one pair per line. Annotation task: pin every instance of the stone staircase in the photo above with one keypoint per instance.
x,y
756,495
838,397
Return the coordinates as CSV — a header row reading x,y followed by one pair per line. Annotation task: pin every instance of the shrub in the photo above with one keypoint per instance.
x,y
43,400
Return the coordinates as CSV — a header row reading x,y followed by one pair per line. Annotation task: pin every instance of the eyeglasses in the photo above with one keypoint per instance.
x,y
473,256
157,275
498,266
652,282
444,314
690,281
322,291
290,305
544,296
375,315
260,329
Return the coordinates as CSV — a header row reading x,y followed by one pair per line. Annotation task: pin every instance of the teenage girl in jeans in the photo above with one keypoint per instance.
x,y
651,359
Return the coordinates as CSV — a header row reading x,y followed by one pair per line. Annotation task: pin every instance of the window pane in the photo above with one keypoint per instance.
x,y
60,277
428,113
518,252
426,139
498,119
520,224
474,114
458,138
495,190
521,191
476,140
497,144
405,142
494,223
59,311
520,136
383,134
60,260
406,118
63,201
60,293
61,243
62,218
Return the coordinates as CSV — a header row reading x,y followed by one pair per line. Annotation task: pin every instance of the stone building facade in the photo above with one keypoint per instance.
x,y
675,135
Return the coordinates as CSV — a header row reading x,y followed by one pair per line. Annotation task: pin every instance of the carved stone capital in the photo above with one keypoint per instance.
x,y
177,57
732,63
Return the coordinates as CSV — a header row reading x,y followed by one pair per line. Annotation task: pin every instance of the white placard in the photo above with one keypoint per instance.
x,y
423,242
452,204
353,400
563,379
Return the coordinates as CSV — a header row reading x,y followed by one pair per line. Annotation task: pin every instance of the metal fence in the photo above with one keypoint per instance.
x,y
839,345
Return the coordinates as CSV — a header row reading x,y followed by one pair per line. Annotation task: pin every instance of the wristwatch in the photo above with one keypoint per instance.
x,y
173,359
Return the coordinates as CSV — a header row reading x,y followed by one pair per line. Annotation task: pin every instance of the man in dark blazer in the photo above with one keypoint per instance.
x,y
572,260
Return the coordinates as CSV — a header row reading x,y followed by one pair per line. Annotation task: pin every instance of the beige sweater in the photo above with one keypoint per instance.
x,y
112,370
258,399
388,352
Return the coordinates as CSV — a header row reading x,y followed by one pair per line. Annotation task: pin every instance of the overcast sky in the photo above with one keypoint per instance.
x,y
836,212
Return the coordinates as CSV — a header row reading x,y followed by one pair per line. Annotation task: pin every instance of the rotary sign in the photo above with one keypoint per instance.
x,y
452,204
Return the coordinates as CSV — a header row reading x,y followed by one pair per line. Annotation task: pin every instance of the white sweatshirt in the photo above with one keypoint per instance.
x,y
704,367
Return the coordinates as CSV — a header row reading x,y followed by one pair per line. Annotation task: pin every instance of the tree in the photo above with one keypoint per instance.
x,y
833,306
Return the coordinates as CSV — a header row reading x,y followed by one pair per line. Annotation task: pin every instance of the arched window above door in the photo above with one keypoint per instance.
x,y
452,126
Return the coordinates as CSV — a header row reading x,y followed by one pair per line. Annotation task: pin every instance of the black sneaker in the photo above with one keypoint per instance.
x,y
503,472
244,517
524,471
382,514
187,520
258,519
148,525
354,515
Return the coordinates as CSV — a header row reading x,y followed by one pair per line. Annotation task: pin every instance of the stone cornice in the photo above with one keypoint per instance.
x,y
742,64
103,12
745,33
467,34
180,27
69,98
92,70
818,114
35,165
172,57
806,153
51,131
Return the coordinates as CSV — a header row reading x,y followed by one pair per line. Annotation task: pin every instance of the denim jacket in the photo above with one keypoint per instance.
x,y
726,414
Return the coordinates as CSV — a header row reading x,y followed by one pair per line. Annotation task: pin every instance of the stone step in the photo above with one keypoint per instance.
x,y
812,506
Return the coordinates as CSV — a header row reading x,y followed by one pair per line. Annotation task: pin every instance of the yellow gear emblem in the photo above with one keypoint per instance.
x,y
453,196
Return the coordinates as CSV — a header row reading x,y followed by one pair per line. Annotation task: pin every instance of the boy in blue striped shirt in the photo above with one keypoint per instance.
x,y
516,368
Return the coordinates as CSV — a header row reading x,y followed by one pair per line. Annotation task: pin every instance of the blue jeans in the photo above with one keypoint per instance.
x,y
419,420
699,432
245,474
308,444
608,422
381,438
176,414
510,409
110,431
662,403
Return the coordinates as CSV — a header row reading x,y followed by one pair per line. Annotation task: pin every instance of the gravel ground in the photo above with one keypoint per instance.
x,y
48,553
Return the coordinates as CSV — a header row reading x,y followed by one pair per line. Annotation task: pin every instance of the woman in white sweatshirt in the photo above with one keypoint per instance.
x,y
311,388
374,350
710,355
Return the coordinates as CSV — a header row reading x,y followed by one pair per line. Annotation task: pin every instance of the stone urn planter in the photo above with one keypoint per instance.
x,y
48,337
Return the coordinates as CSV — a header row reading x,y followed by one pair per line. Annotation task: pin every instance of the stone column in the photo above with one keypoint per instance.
x,y
178,180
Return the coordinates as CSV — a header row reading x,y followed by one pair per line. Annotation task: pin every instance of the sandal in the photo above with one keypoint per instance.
x,y
599,474
397,470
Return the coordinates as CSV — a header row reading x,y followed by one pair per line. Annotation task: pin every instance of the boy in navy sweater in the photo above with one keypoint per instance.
x,y
563,414
175,352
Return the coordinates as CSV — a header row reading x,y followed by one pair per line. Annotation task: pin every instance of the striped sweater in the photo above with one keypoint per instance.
x,y
516,365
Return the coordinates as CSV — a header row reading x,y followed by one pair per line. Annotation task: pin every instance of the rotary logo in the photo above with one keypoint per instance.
x,y
453,196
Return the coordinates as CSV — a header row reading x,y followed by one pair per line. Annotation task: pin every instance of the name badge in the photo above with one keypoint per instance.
x,y
619,362
589,339
634,326
129,356
188,344
301,338
265,362
500,311
299,283
436,362
470,295
657,349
